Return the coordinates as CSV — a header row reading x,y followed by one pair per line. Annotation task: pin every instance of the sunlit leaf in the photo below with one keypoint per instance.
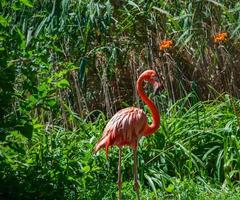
x,y
170,188
63,83
86,169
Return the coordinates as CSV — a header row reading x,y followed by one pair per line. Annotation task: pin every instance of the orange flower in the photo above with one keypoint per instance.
x,y
165,44
219,37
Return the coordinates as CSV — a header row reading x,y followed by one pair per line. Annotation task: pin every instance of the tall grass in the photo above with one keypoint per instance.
x,y
195,152
198,141
103,46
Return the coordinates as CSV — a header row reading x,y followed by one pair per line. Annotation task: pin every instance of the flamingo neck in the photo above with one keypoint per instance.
x,y
150,129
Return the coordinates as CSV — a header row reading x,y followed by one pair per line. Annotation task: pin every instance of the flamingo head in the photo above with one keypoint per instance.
x,y
152,77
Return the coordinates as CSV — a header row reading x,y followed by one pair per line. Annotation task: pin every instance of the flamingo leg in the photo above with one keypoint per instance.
x,y
120,175
136,185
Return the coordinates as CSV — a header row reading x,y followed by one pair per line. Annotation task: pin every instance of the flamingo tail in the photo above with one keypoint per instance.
x,y
99,146
103,142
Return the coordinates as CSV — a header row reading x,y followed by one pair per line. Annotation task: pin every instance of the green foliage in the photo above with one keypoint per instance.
x,y
200,140
103,45
194,144
52,165
64,62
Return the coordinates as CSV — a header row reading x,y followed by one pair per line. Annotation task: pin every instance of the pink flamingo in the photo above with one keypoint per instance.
x,y
128,125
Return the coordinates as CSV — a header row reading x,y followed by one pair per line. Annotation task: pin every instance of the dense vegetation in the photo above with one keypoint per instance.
x,y
67,66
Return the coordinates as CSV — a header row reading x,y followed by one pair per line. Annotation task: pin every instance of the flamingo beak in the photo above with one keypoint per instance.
x,y
157,87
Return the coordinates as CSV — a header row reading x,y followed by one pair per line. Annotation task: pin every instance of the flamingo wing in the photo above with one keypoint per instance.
x,y
124,128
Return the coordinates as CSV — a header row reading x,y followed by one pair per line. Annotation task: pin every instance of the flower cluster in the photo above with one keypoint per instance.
x,y
165,44
220,37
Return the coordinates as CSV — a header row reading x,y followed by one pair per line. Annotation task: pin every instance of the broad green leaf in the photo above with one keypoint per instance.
x,y
86,169
30,161
51,102
29,35
70,178
170,188
63,83
42,87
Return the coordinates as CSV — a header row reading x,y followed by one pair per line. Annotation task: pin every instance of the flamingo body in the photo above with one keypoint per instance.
x,y
128,125
125,128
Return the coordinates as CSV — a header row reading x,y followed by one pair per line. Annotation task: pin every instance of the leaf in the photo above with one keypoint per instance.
x,y
133,4
22,37
29,35
151,183
63,83
170,188
209,152
26,3
40,26
86,169
3,21
70,178
82,69
51,102
30,161
42,87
